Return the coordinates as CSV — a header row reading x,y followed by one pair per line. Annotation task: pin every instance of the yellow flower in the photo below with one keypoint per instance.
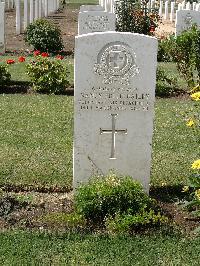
x,y
185,189
190,123
196,96
197,194
195,89
196,164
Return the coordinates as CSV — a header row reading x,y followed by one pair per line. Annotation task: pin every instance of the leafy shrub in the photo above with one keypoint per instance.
x,y
126,223
166,85
132,17
48,75
164,46
44,36
118,203
185,51
110,195
5,76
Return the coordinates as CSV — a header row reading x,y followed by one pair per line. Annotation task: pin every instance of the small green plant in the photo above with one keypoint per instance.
x,y
164,46
5,76
134,17
127,223
48,75
110,195
166,85
44,36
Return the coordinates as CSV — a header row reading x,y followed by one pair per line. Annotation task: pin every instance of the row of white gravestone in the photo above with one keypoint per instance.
x,y
29,10
115,76
170,9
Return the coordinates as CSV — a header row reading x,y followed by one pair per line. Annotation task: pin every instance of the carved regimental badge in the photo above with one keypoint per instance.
x,y
116,62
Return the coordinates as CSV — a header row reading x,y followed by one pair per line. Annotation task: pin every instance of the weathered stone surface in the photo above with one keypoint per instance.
x,y
91,8
115,76
185,19
2,27
95,21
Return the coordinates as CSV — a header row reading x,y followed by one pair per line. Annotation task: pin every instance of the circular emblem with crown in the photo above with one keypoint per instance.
x,y
116,62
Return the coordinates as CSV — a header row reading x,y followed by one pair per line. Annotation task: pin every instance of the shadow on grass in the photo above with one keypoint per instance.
x,y
168,194
25,87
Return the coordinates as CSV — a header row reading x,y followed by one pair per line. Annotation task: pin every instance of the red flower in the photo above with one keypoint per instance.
x,y
21,59
10,61
152,28
36,53
44,54
59,57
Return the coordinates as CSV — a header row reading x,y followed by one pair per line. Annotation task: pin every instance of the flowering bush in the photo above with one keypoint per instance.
x,y
48,75
132,16
44,36
5,76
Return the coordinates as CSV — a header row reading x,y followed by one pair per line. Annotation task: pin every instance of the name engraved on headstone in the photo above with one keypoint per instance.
x,y
117,99
97,23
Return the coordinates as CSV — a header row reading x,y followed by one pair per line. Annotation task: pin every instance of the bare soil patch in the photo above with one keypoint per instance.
x,y
66,19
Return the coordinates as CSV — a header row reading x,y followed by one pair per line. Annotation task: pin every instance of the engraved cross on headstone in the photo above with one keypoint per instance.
x,y
116,59
113,131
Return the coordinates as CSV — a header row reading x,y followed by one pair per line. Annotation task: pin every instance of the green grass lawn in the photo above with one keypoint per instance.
x,y
24,248
36,140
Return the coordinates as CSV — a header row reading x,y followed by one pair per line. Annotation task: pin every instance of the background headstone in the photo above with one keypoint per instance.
x,y
91,8
185,19
115,77
95,21
2,27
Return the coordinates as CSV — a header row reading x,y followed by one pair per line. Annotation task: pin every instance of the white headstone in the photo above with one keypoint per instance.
x,y
160,8
185,19
197,7
2,27
115,77
172,11
31,11
26,17
91,8
180,6
166,16
95,21
18,17
188,6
